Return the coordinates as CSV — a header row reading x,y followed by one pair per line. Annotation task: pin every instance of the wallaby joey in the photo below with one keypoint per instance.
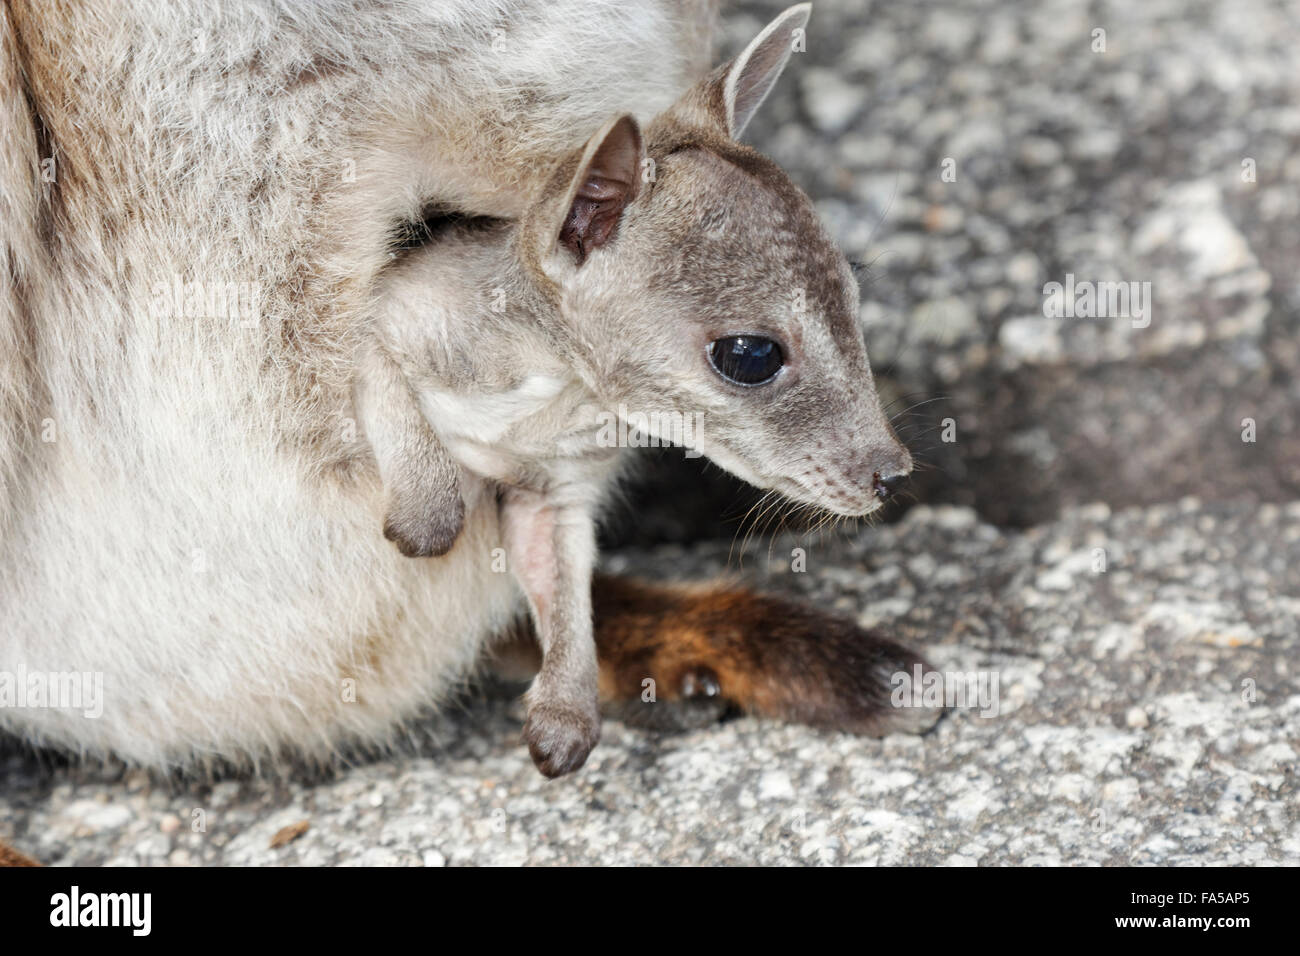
x,y
671,270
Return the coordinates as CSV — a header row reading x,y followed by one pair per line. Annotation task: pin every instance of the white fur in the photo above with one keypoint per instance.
x,y
204,527
486,418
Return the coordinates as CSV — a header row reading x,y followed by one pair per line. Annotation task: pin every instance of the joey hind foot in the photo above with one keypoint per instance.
x,y
560,736
425,525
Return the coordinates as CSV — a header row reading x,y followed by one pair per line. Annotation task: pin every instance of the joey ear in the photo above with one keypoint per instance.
x,y
752,75
608,178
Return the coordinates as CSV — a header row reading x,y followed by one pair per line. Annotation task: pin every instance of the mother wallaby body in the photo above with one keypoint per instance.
x,y
199,202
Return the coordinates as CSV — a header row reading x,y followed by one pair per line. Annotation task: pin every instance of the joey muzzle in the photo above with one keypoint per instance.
x,y
878,463
890,474
885,486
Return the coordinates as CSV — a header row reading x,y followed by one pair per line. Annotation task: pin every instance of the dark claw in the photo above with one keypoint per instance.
x,y
559,739
700,681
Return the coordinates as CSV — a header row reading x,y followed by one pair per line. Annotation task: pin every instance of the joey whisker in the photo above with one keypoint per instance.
x,y
768,515
769,500
912,408
905,396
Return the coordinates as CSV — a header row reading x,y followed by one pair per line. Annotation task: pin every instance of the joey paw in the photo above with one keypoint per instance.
x,y
424,533
560,737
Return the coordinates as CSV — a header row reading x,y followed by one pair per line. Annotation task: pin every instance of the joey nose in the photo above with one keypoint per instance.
x,y
886,485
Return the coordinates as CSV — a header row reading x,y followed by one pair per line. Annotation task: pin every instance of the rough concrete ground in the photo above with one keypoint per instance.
x,y
1148,712
1144,713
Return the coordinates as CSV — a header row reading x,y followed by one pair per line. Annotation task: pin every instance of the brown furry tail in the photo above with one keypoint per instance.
x,y
708,649
11,857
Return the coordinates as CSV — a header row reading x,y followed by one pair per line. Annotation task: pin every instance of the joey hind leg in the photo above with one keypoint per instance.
x,y
425,511
697,702
552,549
675,657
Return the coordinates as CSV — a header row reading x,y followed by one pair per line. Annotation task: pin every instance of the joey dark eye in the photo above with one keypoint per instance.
x,y
746,359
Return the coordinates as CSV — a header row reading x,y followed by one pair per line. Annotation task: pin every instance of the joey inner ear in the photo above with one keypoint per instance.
x,y
605,184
